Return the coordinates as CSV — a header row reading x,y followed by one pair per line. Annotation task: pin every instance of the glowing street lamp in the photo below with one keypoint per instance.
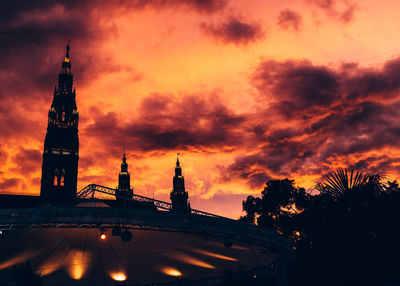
x,y
103,235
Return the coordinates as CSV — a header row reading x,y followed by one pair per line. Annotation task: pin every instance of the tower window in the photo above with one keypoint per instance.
x,y
55,180
62,177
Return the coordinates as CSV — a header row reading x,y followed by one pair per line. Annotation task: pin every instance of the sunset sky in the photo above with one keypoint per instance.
x,y
246,91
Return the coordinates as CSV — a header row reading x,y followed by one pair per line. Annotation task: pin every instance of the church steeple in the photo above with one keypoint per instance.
x,y
179,196
61,146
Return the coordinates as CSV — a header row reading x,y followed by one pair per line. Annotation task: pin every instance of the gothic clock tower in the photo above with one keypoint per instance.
x,y
61,145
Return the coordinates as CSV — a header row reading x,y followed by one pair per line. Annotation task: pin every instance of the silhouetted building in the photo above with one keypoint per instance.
x,y
179,196
124,181
61,145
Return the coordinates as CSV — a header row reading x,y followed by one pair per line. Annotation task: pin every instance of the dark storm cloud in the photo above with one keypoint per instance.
x,y
27,161
234,30
209,6
34,35
323,117
276,159
377,164
251,169
383,83
299,85
289,19
364,127
15,124
8,184
165,122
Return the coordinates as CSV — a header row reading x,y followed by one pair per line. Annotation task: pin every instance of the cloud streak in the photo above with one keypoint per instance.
x,y
167,123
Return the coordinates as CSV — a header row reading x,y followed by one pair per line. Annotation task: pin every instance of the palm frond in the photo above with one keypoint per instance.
x,y
340,181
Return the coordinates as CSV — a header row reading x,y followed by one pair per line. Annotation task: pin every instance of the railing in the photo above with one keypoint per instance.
x,y
89,190
19,193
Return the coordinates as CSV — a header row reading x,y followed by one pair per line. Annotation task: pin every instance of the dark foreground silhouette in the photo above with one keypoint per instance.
x,y
347,234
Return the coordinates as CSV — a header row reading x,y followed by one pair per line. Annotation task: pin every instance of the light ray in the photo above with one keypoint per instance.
x,y
192,260
215,255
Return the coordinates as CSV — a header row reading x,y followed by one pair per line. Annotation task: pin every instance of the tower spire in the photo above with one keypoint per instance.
x,y
61,145
179,196
124,181
67,52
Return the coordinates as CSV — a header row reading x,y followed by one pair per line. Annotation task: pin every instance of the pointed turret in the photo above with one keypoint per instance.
x,y
67,52
124,181
179,196
124,165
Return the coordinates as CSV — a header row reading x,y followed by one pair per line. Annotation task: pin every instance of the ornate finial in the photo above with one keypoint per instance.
x,y
177,159
124,158
67,53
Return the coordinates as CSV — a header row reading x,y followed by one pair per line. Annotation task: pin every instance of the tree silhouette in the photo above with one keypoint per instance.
x,y
345,235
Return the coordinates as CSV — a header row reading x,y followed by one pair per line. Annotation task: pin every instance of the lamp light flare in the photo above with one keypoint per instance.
x,y
194,261
78,264
17,259
215,255
77,271
103,236
171,271
118,276
47,270
240,247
